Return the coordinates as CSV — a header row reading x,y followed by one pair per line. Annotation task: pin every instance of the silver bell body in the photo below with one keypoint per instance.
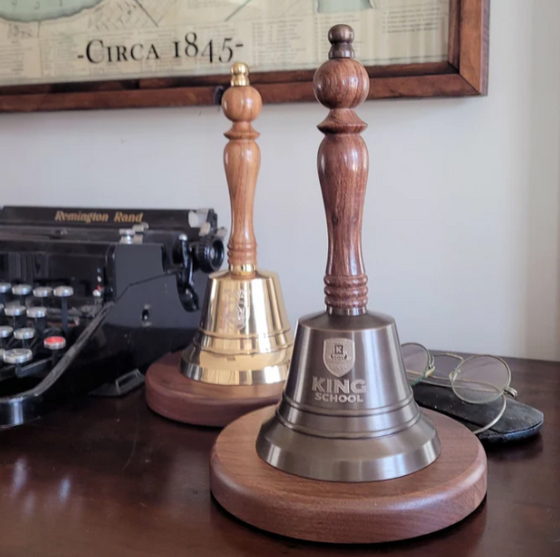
x,y
348,412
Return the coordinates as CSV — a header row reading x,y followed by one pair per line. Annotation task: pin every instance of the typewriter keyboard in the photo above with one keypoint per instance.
x,y
37,324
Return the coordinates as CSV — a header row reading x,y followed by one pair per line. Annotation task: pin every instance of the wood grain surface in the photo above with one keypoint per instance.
x,y
242,161
342,84
108,477
434,498
174,396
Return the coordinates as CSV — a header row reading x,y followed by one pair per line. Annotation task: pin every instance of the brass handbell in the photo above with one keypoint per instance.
x,y
347,413
244,336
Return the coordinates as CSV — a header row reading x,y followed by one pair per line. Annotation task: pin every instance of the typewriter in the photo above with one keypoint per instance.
x,y
89,298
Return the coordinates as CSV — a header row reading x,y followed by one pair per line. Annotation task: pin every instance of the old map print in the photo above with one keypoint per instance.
x,y
58,41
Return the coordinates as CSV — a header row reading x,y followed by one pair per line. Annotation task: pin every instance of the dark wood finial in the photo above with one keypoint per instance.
x,y
242,159
341,38
341,84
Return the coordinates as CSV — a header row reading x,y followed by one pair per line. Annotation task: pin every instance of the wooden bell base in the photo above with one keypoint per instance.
x,y
174,396
429,500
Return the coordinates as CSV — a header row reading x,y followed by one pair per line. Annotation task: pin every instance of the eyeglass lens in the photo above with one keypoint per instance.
x,y
481,379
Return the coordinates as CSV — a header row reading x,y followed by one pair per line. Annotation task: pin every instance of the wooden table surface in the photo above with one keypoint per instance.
x,y
107,477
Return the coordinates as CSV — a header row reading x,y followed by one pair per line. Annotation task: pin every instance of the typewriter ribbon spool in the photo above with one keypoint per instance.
x,y
239,358
311,468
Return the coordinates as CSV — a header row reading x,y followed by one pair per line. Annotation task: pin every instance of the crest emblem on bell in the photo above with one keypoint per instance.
x,y
339,355
237,310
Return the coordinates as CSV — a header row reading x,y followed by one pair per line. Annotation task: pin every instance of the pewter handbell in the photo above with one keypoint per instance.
x,y
244,336
347,413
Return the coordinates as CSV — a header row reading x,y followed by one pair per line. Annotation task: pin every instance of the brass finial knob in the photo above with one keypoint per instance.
x,y
239,75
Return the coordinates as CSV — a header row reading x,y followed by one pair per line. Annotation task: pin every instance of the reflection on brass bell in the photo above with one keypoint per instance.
x,y
347,413
244,338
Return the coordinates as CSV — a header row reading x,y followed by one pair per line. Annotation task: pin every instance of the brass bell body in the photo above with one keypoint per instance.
x,y
244,336
347,413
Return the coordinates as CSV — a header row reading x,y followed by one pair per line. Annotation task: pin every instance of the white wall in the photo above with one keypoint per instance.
x,y
461,231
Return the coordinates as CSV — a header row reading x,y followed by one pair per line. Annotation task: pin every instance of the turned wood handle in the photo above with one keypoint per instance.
x,y
242,159
341,84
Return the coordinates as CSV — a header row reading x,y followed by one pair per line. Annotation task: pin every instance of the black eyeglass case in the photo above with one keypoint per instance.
x,y
519,421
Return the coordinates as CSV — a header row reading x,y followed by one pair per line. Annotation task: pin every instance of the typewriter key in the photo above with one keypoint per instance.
x,y
15,311
42,291
21,289
63,291
38,315
54,343
18,356
24,334
37,312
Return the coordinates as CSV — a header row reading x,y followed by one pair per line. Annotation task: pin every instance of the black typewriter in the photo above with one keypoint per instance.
x,y
89,298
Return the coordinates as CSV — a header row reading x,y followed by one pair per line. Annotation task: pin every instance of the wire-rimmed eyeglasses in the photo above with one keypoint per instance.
x,y
477,379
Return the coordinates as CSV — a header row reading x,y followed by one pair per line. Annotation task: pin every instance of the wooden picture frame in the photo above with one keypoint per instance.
x,y
465,73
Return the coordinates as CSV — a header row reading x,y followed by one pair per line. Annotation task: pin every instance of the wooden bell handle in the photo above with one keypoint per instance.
x,y
242,159
341,84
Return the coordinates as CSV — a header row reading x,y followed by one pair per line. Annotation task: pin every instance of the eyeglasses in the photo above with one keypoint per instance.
x,y
475,380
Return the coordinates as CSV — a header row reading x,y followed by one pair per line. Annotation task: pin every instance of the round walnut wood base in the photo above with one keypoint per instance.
x,y
429,500
171,394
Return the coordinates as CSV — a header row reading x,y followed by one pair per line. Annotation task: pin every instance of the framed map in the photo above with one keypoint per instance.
x,y
68,54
